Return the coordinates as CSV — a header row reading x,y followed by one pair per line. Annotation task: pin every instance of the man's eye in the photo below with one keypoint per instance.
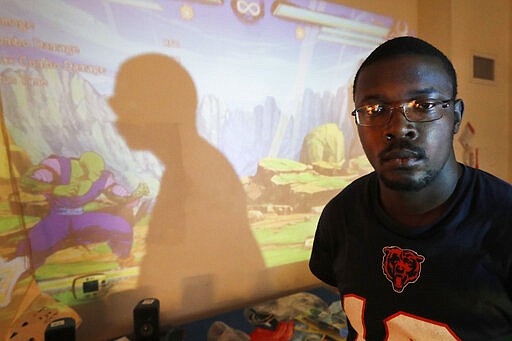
x,y
373,110
424,105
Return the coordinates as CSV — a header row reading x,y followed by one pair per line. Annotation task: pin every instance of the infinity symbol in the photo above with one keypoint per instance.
x,y
245,7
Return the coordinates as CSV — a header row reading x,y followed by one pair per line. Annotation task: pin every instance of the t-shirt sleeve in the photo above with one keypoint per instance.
x,y
321,261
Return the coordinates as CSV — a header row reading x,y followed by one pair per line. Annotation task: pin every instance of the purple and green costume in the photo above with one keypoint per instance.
x,y
68,221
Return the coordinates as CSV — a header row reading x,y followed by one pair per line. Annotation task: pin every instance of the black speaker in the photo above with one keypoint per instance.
x,y
146,324
62,329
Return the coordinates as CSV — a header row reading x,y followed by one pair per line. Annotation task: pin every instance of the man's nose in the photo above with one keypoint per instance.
x,y
399,127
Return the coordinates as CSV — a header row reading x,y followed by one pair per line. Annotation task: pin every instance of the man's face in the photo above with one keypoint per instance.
x,y
407,156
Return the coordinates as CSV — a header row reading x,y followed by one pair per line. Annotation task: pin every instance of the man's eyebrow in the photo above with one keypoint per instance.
x,y
371,98
413,94
423,92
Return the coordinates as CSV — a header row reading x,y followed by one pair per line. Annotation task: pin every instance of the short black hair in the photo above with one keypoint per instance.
x,y
408,45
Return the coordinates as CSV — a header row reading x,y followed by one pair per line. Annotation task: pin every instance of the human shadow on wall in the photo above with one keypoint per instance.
x,y
200,251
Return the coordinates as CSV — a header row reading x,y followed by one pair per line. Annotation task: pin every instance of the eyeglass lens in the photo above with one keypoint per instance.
x,y
414,111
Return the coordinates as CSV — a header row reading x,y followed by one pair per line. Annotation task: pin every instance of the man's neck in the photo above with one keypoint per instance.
x,y
420,208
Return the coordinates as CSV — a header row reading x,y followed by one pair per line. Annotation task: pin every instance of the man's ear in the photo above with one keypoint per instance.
x,y
458,111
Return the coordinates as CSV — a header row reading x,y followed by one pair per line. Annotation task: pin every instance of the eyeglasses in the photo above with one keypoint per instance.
x,y
414,111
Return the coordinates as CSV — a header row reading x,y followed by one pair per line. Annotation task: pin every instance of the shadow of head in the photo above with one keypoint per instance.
x,y
154,88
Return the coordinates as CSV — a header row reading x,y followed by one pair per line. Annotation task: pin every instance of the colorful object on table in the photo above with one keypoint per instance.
x,y
283,332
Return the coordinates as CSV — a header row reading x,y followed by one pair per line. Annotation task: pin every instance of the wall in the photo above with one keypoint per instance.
x,y
487,103
458,27
462,29
197,262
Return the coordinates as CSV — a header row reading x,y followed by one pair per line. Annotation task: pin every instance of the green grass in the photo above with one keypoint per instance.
x,y
11,223
362,162
68,298
282,165
295,233
285,256
49,271
102,248
327,182
288,234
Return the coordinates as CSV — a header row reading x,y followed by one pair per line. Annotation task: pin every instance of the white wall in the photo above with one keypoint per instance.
x,y
483,28
461,29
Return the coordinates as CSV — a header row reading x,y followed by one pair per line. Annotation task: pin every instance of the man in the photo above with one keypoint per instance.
x,y
419,249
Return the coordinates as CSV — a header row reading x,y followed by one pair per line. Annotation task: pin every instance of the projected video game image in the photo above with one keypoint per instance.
x,y
274,96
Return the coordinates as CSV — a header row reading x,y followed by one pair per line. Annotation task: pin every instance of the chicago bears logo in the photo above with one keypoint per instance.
x,y
401,266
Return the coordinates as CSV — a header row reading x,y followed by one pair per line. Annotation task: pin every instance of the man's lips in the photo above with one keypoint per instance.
x,y
401,158
399,154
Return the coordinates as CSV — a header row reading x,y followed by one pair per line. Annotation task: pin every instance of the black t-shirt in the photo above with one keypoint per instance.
x,y
449,280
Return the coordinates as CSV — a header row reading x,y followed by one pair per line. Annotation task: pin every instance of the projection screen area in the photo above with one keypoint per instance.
x,y
174,133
